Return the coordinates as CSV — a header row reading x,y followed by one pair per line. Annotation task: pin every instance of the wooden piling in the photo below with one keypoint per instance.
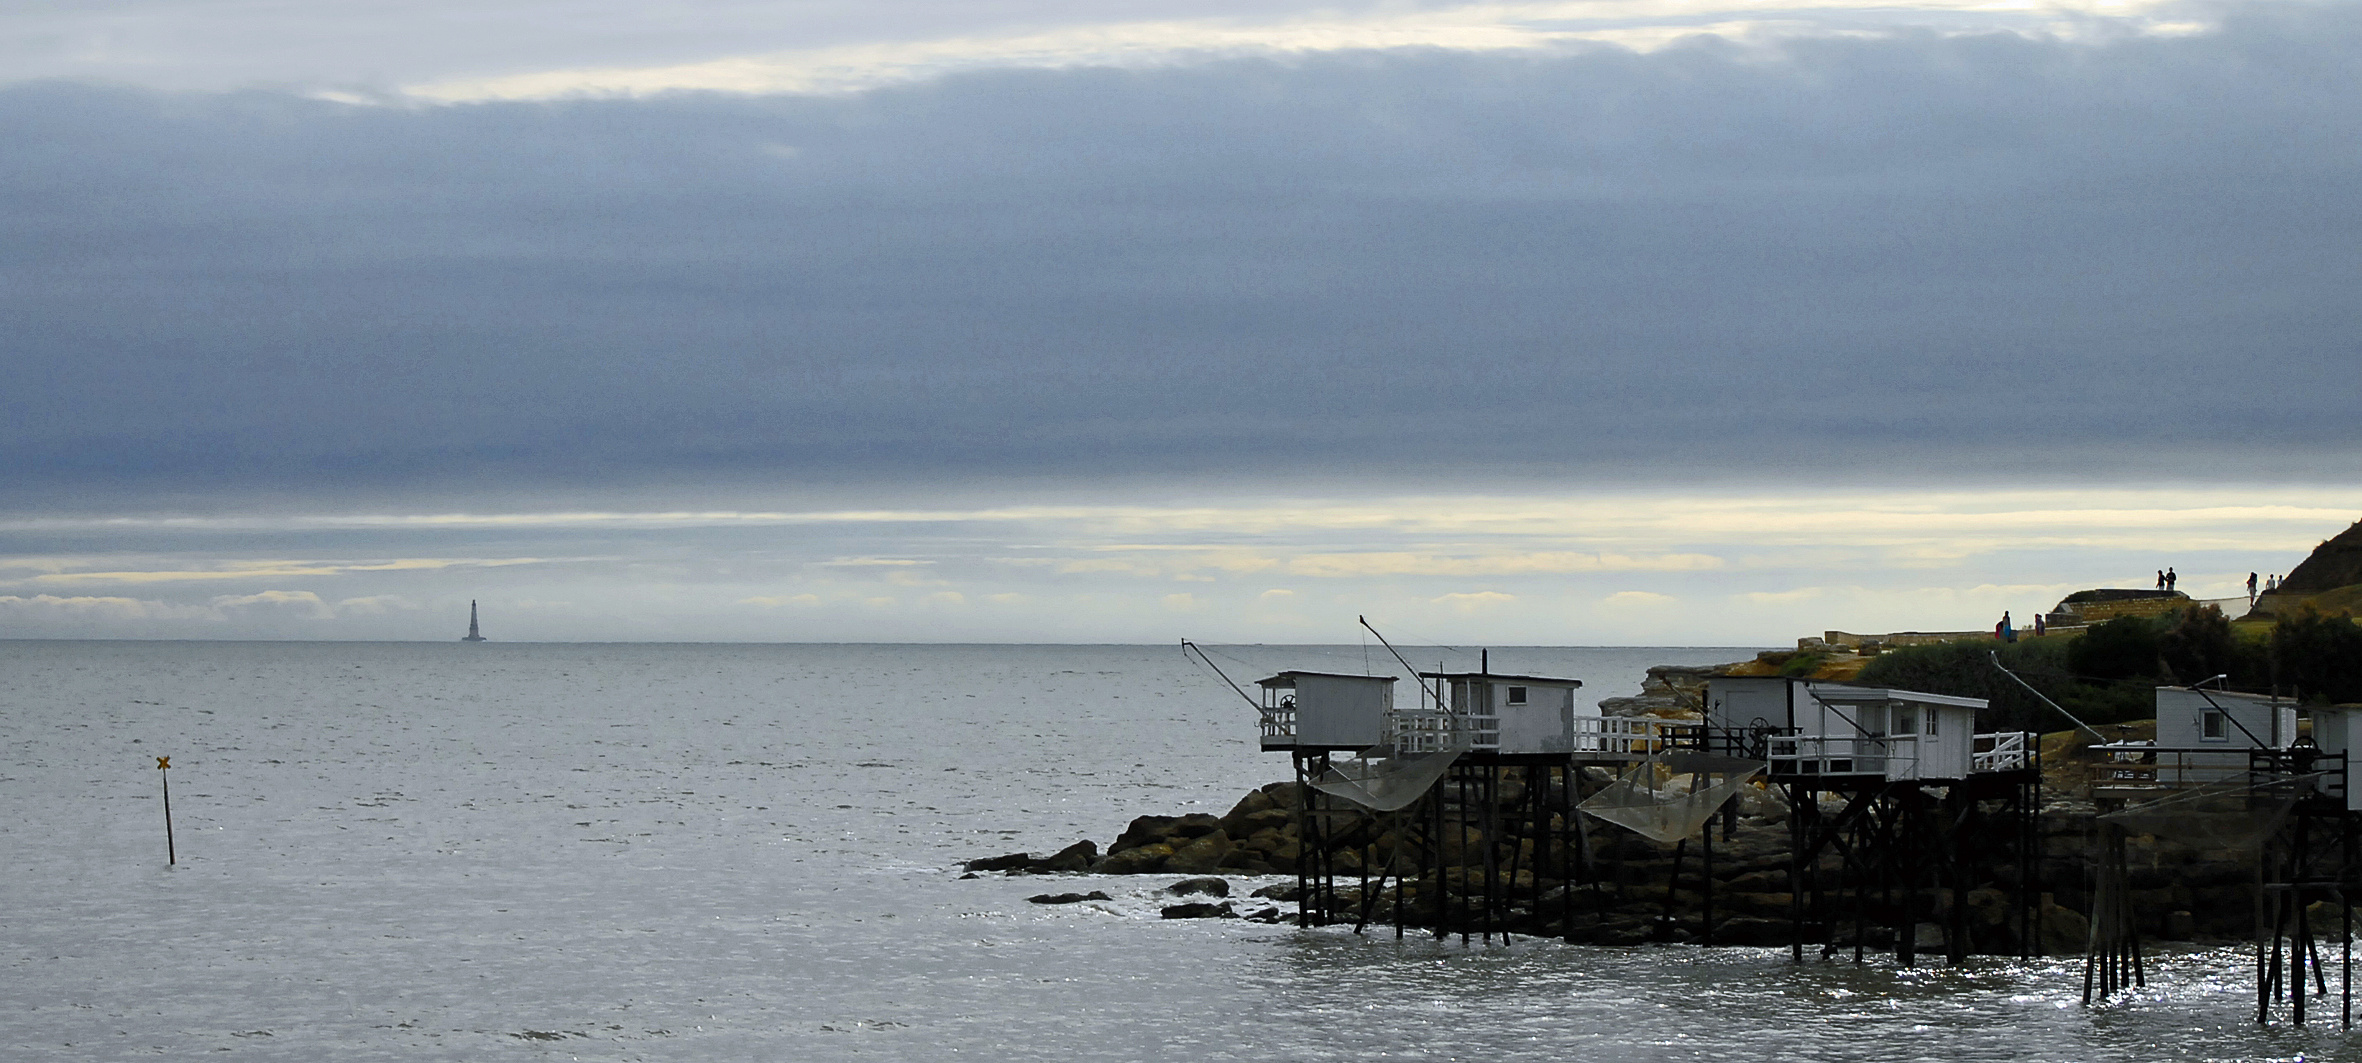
x,y
164,772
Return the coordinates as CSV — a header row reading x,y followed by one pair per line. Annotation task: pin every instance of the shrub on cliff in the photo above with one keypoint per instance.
x,y
2128,647
2198,645
2318,658
1965,669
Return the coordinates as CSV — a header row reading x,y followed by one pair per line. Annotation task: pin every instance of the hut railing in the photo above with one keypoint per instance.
x,y
1843,754
1627,736
1430,731
2144,766
2003,751
1279,724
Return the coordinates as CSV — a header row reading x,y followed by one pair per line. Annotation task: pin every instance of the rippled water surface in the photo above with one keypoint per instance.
x,y
746,853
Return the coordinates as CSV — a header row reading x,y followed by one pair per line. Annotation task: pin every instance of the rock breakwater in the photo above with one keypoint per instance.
x,y
1609,886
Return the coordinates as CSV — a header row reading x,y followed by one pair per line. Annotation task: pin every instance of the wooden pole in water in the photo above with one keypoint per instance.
x,y
164,772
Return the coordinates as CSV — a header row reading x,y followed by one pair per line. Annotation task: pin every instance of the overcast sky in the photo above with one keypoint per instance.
x,y
1634,321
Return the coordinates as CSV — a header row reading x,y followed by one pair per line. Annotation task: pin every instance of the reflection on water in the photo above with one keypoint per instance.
x,y
732,852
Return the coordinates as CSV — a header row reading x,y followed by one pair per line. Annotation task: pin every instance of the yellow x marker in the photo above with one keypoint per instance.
x,y
163,763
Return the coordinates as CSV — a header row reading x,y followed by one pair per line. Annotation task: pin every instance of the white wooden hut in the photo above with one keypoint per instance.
x,y
2204,736
2221,719
1325,710
1840,729
1738,705
1512,714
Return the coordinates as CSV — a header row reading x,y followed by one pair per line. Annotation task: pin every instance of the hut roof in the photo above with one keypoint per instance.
x,y
1288,678
1497,675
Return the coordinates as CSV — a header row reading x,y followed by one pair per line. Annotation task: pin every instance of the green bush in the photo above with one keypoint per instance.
x,y
2128,647
2109,673
1965,669
2197,645
2317,658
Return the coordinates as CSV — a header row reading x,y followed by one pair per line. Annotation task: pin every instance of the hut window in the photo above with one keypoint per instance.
x,y
1932,717
2211,725
1517,695
1906,720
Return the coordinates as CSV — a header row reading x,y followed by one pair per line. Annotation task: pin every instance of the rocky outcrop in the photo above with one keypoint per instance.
x,y
1258,837
1632,893
1670,690
1081,856
2335,563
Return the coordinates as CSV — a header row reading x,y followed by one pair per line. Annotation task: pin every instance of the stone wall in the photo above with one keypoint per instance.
x,y
2098,612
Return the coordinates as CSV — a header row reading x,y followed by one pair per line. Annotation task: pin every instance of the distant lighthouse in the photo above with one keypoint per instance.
x,y
473,635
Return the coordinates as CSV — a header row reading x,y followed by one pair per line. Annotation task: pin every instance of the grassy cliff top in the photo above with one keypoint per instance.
x,y
2335,564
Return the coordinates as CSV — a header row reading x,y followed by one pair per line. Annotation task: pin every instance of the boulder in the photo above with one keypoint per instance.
x,y
1139,860
1193,825
1462,844
1010,862
1284,795
1145,830
1622,930
1747,930
1199,910
1210,885
1274,819
1284,892
1589,896
1991,908
1073,859
1247,861
1265,841
1202,855
1068,898
1255,801
2061,931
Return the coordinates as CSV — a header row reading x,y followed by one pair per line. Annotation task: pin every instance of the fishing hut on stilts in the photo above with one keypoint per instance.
x,y
1898,809
2231,773
1499,824
1313,716
1468,810
1450,812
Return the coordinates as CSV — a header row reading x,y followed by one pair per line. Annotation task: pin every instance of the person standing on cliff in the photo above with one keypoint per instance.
x,y
2003,631
2160,579
2251,589
2170,579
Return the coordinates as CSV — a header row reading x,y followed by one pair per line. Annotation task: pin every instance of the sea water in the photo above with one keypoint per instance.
x,y
745,852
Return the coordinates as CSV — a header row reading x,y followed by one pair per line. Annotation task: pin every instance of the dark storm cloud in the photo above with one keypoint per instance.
x,y
1916,254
